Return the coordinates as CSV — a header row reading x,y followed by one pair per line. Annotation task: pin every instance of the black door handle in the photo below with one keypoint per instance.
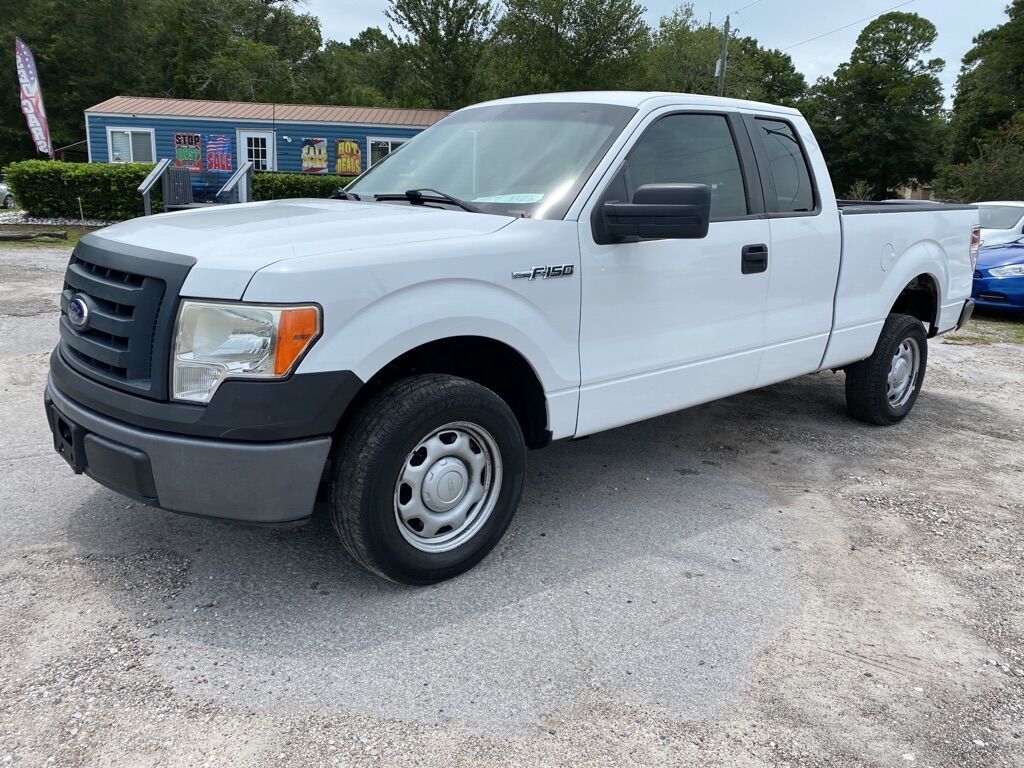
x,y
755,259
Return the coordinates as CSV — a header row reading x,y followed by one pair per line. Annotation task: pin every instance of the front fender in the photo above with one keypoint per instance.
x,y
379,306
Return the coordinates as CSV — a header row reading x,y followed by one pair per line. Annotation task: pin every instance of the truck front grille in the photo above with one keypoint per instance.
x,y
131,298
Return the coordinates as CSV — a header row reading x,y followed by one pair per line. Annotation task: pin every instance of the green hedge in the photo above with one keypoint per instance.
x,y
107,191
282,186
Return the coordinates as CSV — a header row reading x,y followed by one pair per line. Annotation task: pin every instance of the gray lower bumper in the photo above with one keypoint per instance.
x,y
252,482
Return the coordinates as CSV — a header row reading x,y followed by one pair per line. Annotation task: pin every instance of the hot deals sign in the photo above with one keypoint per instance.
x,y
32,98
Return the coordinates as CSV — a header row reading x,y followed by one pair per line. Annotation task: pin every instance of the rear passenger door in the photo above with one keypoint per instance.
x,y
670,323
806,244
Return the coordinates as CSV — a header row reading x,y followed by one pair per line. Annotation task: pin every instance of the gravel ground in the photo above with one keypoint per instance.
x,y
756,582
22,217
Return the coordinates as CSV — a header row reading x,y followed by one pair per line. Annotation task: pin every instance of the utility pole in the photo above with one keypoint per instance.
x,y
723,61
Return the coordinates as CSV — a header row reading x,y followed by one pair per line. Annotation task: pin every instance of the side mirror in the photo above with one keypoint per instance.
x,y
660,211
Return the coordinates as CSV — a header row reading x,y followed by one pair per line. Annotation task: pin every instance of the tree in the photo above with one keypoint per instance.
x,y
444,42
684,52
996,173
990,89
90,50
245,50
82,58
362,72
567,45
879,118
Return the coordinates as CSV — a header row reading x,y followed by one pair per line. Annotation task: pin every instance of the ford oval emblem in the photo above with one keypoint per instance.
x,y
78,312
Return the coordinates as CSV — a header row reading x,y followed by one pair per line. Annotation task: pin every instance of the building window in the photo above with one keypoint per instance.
x,y
131,145
381,148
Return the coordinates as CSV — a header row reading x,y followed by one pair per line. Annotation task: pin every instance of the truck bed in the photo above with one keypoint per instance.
x,y
929,246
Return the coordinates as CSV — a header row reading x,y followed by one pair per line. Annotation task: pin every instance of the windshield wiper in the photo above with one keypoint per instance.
x,y
417,197
341,194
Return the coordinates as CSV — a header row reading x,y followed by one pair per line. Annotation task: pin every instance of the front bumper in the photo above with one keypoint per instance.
x,y
999,292
272,482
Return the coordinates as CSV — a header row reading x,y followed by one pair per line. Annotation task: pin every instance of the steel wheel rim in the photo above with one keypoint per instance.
x,y
903,373
447,487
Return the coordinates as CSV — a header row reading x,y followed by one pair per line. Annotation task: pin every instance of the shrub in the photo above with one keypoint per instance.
x,y
281,186
109,191
861,190
52,189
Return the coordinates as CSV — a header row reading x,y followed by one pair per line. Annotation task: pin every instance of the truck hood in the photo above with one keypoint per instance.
x,y
230,243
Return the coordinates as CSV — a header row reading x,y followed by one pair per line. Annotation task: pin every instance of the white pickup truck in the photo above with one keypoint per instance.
x,y
527,270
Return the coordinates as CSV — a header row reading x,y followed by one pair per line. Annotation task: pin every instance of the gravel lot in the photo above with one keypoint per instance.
x,y
756,582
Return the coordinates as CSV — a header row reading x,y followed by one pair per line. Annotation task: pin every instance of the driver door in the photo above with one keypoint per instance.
x,y
666,324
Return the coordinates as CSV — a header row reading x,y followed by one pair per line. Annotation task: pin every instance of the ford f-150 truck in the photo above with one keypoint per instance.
x,y
527,270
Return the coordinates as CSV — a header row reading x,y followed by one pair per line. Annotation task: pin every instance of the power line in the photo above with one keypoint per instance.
x,y
749,5
847,26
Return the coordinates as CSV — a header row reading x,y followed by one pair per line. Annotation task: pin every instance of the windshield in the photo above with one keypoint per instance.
x,y
513,159
1000,216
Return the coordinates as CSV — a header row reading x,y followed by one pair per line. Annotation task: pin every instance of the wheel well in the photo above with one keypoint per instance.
x,y
490,363
920,299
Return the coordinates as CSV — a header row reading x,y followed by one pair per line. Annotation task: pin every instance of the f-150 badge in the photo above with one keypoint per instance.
x,y
560,270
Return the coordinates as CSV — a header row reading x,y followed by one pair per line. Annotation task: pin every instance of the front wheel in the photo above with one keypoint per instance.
x,y
883,388
9,201
427,478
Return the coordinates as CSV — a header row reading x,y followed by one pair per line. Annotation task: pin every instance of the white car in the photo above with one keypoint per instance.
x,y
1001,222
527,270
6,198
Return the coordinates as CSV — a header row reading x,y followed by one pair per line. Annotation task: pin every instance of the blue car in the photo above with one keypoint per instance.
x,y
999,277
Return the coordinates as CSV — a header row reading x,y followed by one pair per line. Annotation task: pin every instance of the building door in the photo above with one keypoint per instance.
x,y
258,148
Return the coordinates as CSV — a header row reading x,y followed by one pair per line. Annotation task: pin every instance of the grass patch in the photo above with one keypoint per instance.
x,y
989,328
74,233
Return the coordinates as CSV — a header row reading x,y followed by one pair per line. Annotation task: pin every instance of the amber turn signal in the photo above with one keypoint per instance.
x,y
296,330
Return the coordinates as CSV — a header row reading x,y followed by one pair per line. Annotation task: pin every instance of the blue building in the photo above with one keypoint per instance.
x,y
211,138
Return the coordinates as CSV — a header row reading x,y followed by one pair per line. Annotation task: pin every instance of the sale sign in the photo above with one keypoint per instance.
x,y
218,154
314,155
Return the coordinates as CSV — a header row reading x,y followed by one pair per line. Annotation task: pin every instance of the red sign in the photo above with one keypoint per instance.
x,y
32,98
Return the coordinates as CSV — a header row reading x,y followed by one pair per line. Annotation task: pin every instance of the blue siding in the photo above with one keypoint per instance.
x,y
288,153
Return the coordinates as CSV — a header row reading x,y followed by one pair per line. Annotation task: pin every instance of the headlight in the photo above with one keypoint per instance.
x,y
215,342
1011,270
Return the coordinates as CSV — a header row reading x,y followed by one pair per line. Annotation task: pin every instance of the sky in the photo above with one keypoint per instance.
x,y
775,23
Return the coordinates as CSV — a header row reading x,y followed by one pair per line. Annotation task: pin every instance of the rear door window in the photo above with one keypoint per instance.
x,y
794,190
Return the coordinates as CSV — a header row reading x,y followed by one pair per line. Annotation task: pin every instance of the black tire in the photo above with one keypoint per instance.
x,y
378,443
867,395
9,202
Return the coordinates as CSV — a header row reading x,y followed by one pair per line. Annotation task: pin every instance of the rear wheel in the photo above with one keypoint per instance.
x,y
427,478
8,201
883,389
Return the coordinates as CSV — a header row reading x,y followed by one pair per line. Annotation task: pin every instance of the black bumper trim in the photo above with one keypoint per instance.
x,y
302,406
965,314
268,483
